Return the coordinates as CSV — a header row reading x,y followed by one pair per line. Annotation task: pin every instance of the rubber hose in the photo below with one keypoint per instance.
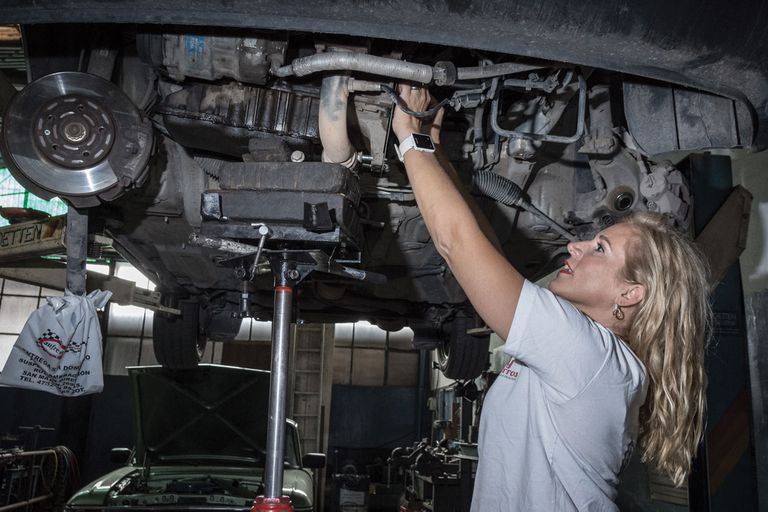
x,y
499,188
507,192
337,61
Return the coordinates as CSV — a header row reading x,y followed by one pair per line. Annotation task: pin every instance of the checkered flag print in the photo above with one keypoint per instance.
x,y
49,335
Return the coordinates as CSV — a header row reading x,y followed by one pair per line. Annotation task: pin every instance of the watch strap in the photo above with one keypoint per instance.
x,y
402,148
410,143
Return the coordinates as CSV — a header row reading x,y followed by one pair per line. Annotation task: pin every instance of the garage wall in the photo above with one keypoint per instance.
x,y
365,359
749,170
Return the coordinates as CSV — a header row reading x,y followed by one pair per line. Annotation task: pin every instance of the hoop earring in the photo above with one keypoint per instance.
x,y
618,314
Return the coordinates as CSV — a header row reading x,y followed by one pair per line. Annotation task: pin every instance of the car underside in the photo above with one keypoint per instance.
x,y
205,139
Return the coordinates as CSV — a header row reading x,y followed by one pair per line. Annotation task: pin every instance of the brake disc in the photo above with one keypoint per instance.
x,y
76,136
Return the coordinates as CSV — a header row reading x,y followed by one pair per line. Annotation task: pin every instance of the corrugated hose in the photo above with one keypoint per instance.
x,y
507,192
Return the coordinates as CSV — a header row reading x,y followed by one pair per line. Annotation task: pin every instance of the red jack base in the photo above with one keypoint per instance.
x,y
263,504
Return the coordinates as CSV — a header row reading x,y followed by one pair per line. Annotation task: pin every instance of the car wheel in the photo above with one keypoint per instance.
x,y
463,356
178,342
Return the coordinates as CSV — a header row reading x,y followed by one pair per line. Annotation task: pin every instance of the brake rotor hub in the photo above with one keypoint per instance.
x,y
76,136
74,131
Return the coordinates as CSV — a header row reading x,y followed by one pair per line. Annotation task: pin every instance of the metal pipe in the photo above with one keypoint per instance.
x,y
13,455
492,70
421,392
392,68
348,61
332,120
77,249
221,244
355,85
281,323
31,501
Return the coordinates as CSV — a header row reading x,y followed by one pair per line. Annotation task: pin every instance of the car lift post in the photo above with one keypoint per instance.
x,y
286,278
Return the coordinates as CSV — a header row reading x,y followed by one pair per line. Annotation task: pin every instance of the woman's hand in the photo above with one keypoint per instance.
x,y
418,100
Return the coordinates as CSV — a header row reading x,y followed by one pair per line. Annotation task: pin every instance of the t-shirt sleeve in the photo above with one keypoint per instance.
x,y
564,347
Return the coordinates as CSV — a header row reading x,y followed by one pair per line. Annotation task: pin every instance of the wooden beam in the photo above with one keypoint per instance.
x,y
725,237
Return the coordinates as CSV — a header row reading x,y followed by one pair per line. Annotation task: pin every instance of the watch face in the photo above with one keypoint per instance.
x,y
423,142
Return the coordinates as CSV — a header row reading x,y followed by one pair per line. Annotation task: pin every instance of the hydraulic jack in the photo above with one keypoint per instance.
x,y
286,279
289,267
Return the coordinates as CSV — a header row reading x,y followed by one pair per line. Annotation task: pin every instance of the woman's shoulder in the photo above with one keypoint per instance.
x,y
621,360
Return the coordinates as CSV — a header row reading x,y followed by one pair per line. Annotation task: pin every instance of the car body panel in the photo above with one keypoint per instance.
x,y
710,45
592,94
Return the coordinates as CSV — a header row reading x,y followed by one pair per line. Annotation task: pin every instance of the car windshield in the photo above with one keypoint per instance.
x,y
210,415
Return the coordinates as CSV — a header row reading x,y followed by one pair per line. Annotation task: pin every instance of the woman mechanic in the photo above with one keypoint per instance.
x,y
610,355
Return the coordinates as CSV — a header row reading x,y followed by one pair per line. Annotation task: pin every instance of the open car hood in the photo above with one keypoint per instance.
x,y
207,416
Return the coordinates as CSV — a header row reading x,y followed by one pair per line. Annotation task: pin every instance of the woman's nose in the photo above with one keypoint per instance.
x,y
576,249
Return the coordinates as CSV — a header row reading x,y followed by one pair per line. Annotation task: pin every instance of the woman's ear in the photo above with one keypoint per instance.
x,y
632,296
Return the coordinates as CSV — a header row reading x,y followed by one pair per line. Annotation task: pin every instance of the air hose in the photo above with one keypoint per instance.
x,y
507,192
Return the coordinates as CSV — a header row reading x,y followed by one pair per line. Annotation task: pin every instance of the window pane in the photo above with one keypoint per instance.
x,y
359,334
368,367
13,194
402,339
99,269
261,331
121,352
128,272
147,353
17,288
342,359
6,343
148,324
245,330
14,312
212,353
403,369
126,320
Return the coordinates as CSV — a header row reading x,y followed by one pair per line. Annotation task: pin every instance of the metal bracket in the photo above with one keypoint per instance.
x,y
512,134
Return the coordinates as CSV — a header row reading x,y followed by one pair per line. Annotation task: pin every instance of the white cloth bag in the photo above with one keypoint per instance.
x,y
59,348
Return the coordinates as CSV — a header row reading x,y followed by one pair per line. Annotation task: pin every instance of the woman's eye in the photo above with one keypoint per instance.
x,y
599,248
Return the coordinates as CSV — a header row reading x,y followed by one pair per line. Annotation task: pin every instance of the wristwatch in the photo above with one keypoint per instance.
x,y
417,141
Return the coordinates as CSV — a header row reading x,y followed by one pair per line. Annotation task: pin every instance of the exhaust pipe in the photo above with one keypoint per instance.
x,y
334,98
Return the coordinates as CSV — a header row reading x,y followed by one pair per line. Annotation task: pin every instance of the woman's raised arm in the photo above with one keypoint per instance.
x,y
491,283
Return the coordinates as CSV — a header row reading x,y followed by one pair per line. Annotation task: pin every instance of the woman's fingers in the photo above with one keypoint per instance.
x,y
416,97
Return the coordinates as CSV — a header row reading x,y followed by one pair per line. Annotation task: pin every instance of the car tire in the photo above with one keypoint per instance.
x,y
178,341
463,356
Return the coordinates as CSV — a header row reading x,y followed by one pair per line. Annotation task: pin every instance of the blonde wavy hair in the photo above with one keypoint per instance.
x,y
668,332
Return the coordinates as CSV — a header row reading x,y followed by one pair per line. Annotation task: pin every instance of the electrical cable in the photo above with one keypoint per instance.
x,y
402,106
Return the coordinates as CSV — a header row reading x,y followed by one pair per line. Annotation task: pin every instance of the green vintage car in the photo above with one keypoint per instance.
x,y
200,438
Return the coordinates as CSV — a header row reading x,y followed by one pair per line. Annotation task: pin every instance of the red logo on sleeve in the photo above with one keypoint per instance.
x,y
511,369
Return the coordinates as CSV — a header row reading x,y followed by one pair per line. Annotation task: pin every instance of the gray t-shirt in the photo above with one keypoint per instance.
x,y
561,418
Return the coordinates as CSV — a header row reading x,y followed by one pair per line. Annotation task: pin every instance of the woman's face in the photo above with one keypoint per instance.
x,y
592,276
